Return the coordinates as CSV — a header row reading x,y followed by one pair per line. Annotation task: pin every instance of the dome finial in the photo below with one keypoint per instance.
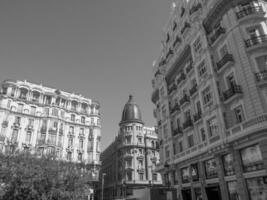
x,y
130,97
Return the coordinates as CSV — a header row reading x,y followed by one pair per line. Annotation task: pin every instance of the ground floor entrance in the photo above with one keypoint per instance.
x,y
213,192
186,193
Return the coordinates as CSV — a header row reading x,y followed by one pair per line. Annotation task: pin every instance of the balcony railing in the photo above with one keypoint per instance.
x,y
181,78
177,40
234,89
172,88
188,123
249,11
177,131
195,8
189,68
197,116
184,99
175,108
225,59
256,40
193,90
186,25
216,34
261,76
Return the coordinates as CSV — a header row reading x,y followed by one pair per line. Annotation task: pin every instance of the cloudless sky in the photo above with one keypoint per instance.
x,y
102,49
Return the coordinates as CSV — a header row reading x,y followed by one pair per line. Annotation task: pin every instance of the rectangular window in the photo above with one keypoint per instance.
x,y
62,114
167,152
80,156
223,50
228,164
55,112
180,146
71,130
239,114
190,140
213,127
33,110
206,95
211,168
194,172
141,176
262,63
70,142
69,156
20,107
203,134
17,120
81,144
14,135
83,120
72,117
185,175
154,177
162,92
252,158
202,68
46,111
197,45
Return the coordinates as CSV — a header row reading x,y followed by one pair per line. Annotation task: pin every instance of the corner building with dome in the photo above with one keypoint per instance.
x,y
128,163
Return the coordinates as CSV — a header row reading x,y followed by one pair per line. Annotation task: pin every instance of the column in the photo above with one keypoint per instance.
x,y
222,183
241,184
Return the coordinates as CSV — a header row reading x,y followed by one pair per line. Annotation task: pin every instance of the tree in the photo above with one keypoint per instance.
x,y
27,177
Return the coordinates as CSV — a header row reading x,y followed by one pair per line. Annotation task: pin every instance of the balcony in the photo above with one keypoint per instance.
x,y
52,131
216,34
177,131
43,129
248,11
188,123
185,27
185,99
234,91
261,77
226,60
195,8
181,78
16,125
197,116
172,88
175,108
256,41
189,68
176,41
41,142
193,90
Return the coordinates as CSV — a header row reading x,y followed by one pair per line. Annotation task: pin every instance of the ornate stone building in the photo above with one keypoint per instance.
x,y
44,120
129,162
210,93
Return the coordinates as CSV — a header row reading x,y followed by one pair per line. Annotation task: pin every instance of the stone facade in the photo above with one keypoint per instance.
x,y
44,120
129,162
209,89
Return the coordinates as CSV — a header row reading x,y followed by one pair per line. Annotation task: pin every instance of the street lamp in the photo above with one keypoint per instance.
x,y
102,188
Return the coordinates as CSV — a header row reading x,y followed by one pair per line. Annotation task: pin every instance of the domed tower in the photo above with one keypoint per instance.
x,y
132,162
131,113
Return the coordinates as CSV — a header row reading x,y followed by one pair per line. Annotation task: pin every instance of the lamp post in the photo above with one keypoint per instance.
x,y
102,188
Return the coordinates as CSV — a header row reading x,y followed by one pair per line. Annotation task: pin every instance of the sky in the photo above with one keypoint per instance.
x,y
102,49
